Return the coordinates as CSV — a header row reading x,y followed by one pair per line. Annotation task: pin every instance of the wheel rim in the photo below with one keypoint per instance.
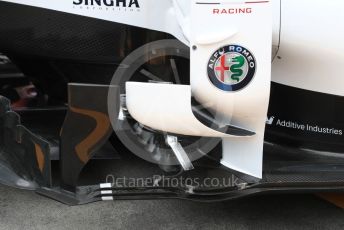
x,y
145,143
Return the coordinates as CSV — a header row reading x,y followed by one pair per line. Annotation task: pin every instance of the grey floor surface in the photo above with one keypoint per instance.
x,y
26,210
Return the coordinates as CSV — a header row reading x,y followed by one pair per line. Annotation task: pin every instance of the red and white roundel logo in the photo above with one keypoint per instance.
x,y
231,68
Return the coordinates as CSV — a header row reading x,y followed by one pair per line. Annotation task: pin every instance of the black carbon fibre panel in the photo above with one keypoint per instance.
x,y
26,30
304,119
331,177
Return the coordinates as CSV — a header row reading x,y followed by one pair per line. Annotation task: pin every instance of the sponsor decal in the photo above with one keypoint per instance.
x,y
313,128
236,10
270,120
231,68
131,4
246,10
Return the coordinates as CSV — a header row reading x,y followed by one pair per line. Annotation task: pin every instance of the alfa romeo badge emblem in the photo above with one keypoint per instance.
x,y
231,68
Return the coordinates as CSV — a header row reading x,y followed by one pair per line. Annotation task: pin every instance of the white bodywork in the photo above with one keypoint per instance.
x,y
311,51
168,107
306,34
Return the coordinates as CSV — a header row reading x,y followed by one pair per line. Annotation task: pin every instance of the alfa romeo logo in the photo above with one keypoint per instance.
x,y
231,68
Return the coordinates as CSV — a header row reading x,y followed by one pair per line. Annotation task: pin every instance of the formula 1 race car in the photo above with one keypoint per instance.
x,y
143,99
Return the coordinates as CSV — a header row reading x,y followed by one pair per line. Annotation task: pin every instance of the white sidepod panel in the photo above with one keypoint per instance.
x,y
311,52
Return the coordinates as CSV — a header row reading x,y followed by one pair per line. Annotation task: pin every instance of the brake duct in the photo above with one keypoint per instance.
x,y
242,110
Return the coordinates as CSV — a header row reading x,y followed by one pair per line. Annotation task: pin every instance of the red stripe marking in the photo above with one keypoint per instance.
x,y
257,2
